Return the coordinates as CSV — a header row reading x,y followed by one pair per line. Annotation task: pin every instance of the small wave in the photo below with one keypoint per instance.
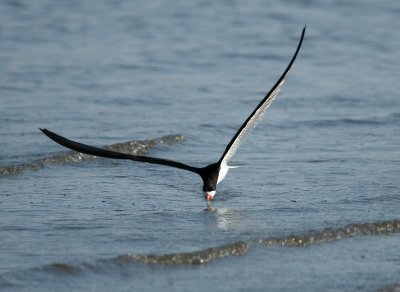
x,y
5,283
191,258
14,88
239,248
205,256
345,121
64,268
333,234
395,115
130,147
367,121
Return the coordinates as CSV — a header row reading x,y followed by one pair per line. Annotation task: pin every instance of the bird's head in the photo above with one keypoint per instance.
x,y
209,175
209,195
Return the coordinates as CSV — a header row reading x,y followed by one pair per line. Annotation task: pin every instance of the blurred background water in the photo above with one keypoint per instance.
x,y
315,202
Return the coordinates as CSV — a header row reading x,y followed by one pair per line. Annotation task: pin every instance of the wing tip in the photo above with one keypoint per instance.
x,y
303,32
46,132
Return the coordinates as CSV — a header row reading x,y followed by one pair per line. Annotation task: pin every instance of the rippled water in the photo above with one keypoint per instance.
x,y
314,204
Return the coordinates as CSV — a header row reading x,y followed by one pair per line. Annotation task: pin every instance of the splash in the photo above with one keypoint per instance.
x,y
130,147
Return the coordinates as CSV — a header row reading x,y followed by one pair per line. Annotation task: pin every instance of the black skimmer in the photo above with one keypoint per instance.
x,y
211,174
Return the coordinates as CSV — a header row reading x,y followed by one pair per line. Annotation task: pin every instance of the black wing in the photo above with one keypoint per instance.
x,y
79,147
257,114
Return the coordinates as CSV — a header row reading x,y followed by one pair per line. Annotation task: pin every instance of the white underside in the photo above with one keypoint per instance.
x,y
223,172
250,124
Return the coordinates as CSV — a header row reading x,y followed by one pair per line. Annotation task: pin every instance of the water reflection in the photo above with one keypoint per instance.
x,y
226,218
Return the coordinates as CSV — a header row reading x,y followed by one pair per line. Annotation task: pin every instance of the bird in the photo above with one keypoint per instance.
x,y
211,174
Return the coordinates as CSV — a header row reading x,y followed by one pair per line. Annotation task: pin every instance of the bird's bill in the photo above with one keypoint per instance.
x,y
209,195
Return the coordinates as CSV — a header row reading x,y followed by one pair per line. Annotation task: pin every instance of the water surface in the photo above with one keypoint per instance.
x,y
314,204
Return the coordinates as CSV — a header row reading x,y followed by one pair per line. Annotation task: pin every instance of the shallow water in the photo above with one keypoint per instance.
x,y
314,204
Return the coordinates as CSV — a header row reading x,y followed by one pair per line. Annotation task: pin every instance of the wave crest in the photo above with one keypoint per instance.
x,y
191,258
240,248
333,234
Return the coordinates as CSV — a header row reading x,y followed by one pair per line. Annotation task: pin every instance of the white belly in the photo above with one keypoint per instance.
x,y
222,172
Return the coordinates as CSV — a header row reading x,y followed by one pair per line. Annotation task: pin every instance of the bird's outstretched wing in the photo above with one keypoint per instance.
x,y
258,113
83,148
